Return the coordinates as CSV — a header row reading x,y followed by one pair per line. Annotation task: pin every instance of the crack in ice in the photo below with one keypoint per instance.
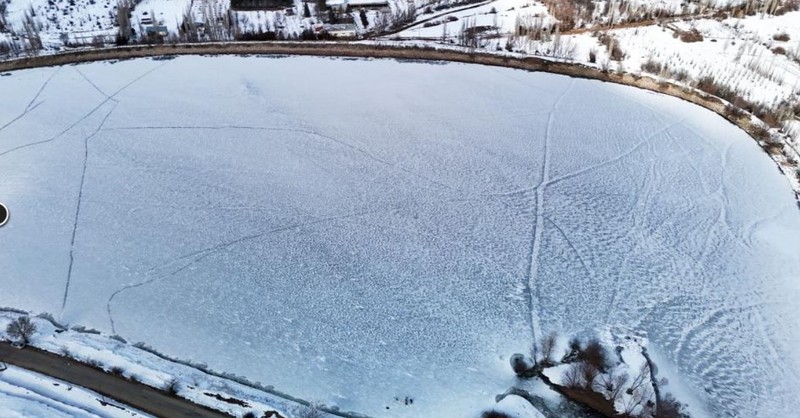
x,y
78,206
83,118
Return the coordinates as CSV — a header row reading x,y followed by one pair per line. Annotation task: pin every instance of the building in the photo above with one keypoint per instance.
x,y
159,30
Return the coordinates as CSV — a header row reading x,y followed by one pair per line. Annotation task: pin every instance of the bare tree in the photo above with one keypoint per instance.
x,y
573,377
21,328
611,386
589,373
548,346
123,21
31,28
595,354
3,10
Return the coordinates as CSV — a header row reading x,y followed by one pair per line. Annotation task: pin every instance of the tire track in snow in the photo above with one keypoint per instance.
x,y
531,272
199,255
78,206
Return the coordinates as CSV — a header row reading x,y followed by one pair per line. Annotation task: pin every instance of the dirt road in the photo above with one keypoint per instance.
x,y
136,395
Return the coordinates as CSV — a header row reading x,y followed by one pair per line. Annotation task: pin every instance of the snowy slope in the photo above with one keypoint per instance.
x,y
361,231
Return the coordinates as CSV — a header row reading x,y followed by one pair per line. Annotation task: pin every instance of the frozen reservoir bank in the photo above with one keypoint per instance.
x,y
352,231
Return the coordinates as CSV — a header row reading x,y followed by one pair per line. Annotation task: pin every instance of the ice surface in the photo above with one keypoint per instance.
x,y
361,231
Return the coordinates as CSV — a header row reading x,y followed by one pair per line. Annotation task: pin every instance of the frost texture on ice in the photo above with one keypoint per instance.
x,y
359,232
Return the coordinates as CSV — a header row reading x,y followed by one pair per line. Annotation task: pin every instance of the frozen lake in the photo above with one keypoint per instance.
x,y
352,231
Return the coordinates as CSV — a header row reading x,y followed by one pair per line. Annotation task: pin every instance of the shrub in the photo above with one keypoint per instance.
x,y
733,112
547,347
652,67
669,407
783,37
173,386
251,414
592,56
519,364
761,133
22,329
691,36
116,370
594,354
588,373
612,46
573,378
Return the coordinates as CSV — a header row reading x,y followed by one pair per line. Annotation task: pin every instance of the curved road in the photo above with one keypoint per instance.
x,y
136,395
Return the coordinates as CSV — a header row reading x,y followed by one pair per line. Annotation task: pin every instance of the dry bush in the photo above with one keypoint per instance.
x,y
564,11
548,345
760,132
669,407
172,386
611,386
519,364
783,37
573,377
594,354
612,46
734,112
787,6
652,67
22,329
589,374
691,36
779,50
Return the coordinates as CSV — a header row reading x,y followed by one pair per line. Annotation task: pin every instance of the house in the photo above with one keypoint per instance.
x,y
159,30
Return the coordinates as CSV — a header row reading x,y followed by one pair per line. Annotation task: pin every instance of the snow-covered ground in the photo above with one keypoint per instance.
x,y
25,394
756,57
361,231
141,365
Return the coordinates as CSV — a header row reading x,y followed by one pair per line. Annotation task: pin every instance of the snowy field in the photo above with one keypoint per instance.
x,y
357,232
